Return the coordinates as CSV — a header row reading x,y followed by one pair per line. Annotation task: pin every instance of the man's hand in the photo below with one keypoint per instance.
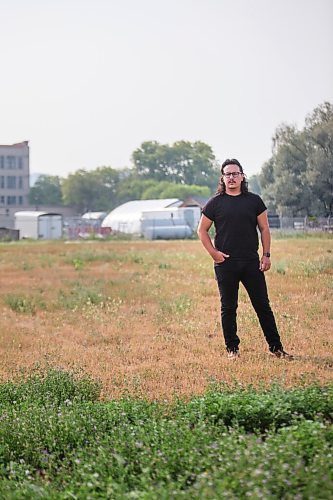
x,y
219,257
265,263
203,228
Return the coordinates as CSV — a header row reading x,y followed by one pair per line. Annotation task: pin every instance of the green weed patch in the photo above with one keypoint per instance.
x,y
24,304
58,440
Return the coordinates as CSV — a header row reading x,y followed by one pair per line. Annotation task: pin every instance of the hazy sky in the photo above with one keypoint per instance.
x,y
87,81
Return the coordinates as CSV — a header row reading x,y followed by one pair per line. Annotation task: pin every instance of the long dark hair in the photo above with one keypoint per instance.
x,y
221,184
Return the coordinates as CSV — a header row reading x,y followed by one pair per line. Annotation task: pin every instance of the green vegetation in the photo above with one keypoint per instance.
x,y
182,162
80,296
58,440
297,179
24,304
46,190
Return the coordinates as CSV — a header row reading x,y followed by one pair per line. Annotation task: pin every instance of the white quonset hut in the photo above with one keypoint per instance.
x,y
39,225
153,219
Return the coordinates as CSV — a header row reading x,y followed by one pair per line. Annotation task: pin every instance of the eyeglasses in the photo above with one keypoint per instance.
x,y
233,174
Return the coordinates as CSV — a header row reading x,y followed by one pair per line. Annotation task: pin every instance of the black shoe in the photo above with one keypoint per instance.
x,y
281,354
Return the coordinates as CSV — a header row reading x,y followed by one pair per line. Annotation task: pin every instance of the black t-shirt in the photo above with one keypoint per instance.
x,y
235,220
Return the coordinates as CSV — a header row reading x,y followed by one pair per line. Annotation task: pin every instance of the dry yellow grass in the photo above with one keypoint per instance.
x,y
143,317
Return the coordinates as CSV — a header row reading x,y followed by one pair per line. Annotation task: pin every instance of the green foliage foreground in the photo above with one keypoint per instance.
x,y
57,440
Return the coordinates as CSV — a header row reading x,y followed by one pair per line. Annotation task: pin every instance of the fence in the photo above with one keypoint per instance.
x,y
75,228
307,223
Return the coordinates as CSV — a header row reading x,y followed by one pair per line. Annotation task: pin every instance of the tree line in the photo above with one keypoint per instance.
x,y
296,180
159,171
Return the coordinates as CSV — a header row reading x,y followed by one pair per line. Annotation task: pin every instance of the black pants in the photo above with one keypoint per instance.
x,y
228,275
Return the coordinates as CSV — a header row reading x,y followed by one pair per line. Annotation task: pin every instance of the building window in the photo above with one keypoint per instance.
x,y
20,182
20,200
11,162
11,200
2,182
2,162
2,200
20,162
11,182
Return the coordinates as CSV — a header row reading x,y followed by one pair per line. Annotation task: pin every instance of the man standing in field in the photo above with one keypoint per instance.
x,y
236,214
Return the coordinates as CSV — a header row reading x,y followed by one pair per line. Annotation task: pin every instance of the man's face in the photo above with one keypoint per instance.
x,y
232,177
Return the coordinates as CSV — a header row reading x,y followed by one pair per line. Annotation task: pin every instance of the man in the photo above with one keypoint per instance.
x,y
236,214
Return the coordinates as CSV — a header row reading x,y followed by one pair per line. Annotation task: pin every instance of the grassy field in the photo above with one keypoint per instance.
x,y
115,383
143,317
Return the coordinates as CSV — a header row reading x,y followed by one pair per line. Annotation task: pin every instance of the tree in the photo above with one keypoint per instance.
x,y
46,191
183,162
254,184
319,134
183,191
298,177
150,161
132,188
266,181
156,189
92,190
167,189
291,189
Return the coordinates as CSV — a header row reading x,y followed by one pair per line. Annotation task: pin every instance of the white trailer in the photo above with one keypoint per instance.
x,y
39,225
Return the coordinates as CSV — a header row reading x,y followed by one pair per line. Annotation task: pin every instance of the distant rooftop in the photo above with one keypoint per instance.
x,y
17,144
196,201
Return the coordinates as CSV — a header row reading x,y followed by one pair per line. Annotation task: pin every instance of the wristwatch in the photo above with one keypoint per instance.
x,y
266,254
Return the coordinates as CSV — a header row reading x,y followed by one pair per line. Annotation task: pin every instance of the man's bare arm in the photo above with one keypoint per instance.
x,y
262,219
